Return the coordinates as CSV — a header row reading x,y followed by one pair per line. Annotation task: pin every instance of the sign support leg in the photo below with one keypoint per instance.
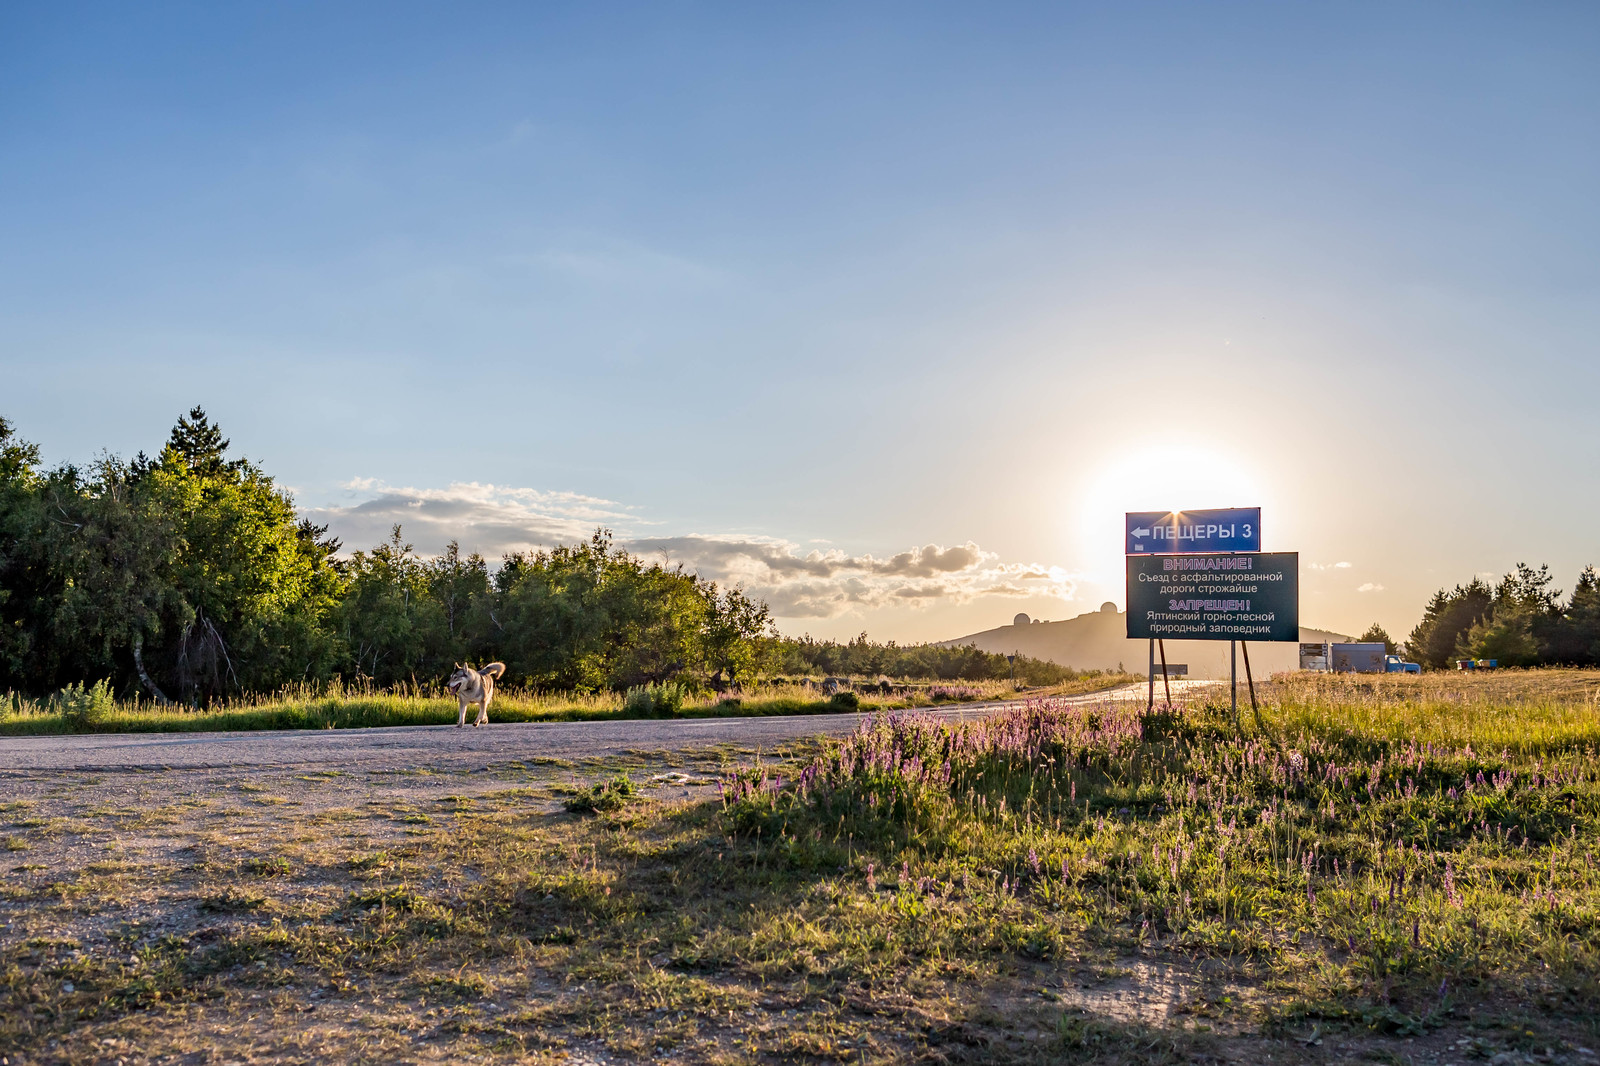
x,y
1250,680
1233,677
1165,682
1150,703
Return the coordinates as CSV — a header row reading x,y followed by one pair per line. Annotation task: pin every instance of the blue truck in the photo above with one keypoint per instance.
x,y
1364,657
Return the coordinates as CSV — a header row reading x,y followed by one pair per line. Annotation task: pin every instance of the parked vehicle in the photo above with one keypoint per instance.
x,y
1362,658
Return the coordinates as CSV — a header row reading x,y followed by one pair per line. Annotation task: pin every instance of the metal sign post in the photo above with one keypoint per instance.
x,y
1150,703
1166,682
1233,677
1251,681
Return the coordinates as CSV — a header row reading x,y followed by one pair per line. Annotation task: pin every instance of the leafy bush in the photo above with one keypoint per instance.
x,y
653,701
84,708
845,701
604,797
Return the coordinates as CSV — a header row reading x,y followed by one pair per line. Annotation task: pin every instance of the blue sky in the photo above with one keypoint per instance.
x,y
887,310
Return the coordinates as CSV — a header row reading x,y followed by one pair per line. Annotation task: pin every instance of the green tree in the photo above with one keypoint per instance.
x,y
19,517
258,585
1519,619
460,585
202,447
592,616
1448,617
387,618
1572,635
1375,634
738,632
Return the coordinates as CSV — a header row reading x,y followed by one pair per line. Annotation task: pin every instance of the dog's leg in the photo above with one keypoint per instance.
x,y
462,719
483,713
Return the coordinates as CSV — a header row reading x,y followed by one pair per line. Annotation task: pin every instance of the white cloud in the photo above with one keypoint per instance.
x,y
1328,566
1369,587
492,519
824,584
798,582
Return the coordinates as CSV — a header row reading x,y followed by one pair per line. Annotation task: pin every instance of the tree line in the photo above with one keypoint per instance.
x,y
1520,620
190,576
863,657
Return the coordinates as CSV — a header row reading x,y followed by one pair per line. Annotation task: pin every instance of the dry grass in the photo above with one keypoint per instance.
x,y
182,917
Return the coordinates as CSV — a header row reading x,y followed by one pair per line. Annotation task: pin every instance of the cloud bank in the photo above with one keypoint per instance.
x,y
797,583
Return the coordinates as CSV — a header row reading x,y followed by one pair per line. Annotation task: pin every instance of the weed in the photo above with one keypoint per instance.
x,y
268,866
653,701
604,797
85,708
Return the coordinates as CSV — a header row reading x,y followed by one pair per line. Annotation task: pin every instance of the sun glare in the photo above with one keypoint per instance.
x,y
1157,478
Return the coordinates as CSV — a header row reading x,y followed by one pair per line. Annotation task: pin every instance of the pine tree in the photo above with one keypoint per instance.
x,y
1376,634
200,443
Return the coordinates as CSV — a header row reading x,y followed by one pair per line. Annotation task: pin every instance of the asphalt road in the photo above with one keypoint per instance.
x,y
437,747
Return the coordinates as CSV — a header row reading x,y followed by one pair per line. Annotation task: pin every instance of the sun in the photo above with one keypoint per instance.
x,y
1163,477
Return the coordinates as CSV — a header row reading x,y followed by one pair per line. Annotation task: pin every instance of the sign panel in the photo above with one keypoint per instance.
x,y
1220,596
1217,529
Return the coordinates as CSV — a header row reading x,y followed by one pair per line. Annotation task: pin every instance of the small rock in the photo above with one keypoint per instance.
x,y
68,986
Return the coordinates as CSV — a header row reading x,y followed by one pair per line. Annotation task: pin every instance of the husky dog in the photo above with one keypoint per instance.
x,y
474,686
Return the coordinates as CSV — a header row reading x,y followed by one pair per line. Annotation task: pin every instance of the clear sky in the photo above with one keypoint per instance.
x,y
889,311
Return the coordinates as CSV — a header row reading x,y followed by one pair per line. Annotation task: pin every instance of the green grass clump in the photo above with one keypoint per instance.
x,y
653,701
85,708
604,797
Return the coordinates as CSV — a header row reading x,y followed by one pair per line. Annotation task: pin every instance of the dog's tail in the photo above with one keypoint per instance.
x,y
493,669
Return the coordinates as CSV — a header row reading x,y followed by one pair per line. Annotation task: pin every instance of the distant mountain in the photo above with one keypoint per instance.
x,y
1097,641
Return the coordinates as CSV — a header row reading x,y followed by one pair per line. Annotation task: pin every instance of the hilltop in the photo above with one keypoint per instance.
x,y
1096,641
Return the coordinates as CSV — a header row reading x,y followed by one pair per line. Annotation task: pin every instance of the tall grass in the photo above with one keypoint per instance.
x,y
340,706
1524,711
1375,847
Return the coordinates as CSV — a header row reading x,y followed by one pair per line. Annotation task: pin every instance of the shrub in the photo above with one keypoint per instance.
x,y
84,708
604,796
653,701
844,701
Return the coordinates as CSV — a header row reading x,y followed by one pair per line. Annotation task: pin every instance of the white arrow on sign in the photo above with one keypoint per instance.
x,y
1140,531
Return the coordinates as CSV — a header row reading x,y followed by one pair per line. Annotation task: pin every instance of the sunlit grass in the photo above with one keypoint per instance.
x,y
342,707
1521,711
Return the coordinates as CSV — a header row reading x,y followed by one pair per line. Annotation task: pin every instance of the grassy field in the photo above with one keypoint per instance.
x,y
341,708
1383,869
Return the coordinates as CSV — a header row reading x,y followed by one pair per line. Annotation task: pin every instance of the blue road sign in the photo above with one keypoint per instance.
x,y
1218,529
